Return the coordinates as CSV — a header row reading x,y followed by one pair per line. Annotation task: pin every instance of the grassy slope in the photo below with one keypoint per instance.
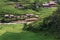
x,y
4,8
15,28
45,12
14,32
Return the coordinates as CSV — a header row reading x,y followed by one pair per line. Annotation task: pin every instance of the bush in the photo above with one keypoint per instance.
x,y
6,20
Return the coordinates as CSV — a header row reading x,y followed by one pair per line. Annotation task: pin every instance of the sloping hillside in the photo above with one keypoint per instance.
x,y
38,30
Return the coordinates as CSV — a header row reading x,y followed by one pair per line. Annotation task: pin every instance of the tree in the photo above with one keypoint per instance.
x,y
58,1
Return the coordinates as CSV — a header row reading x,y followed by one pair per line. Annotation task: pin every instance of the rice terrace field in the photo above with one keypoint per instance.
x,y
44,16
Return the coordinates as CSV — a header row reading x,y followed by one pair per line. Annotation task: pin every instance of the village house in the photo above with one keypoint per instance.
x,y
6,15
29,15
11,16
45,4
52,3
49,4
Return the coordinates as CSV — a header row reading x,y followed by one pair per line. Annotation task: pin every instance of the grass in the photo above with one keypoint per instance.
x,y
13,32
44,13
25,36
15,28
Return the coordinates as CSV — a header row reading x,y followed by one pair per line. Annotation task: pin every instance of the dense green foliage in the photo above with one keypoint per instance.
x,y
45,13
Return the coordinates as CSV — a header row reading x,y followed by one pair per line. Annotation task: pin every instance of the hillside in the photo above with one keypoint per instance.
x,y
41,29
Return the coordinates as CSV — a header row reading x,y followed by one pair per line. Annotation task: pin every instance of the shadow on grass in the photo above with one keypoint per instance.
x,y
26,36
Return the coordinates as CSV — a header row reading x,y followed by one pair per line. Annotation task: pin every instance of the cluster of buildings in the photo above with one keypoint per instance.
x,y
21,15
27,17
46,4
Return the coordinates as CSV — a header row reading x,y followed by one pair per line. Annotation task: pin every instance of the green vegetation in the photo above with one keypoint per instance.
x,y
44,14
43,29
15,32
15,28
